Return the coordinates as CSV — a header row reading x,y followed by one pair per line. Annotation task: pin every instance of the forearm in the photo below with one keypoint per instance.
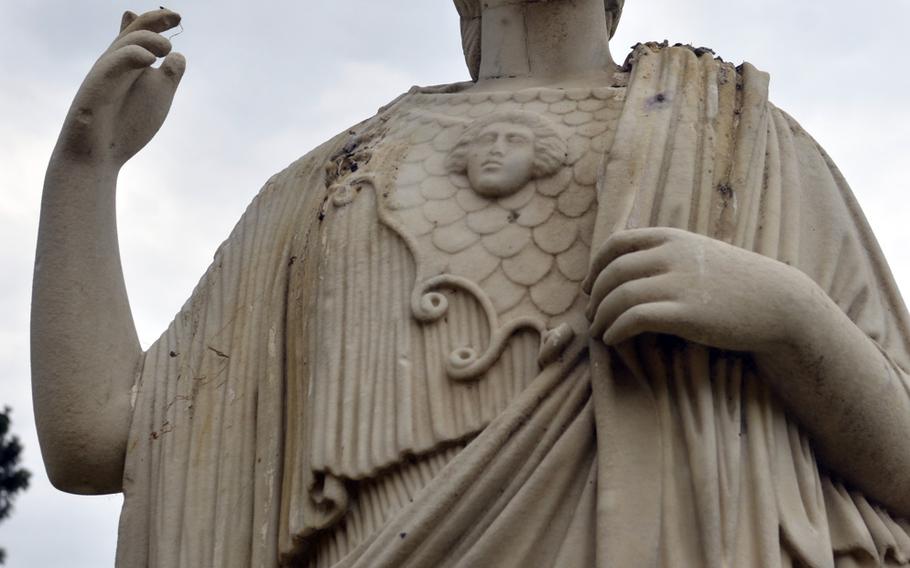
x,y
850,399
85,350
835,382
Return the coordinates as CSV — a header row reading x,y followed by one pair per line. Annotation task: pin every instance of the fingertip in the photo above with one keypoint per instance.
x,y
171,18
587,283
597,328
156,21
174,65
609,338
145,57
128,18
616,334
137,56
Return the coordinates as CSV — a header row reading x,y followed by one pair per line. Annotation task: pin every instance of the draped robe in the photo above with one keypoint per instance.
x,y
659,453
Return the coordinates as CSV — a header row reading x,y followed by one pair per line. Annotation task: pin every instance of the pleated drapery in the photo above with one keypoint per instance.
x,y
663,453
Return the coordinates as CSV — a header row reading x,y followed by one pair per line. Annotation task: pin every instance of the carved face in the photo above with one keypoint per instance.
x,y
500,159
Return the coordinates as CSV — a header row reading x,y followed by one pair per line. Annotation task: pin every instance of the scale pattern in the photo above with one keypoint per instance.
x,y
383,416
528,251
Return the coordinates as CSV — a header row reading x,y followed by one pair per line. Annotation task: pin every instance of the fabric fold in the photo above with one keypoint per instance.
x,y
659,453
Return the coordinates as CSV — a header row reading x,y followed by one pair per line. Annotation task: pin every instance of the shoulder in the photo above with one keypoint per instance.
x,y
646,48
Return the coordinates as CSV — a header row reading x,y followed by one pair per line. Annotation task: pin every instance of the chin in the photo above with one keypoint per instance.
x,y
496,186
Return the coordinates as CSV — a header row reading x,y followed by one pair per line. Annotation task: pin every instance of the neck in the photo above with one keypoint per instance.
x,y
533,42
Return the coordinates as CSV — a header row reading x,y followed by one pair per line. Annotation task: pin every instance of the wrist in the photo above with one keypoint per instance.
x,y
808,318
815,315
76,167
84,144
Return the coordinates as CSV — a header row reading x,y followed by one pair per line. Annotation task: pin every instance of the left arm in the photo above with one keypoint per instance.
x,y
832,377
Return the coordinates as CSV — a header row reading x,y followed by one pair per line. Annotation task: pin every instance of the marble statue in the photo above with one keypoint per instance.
x,y
502,152
569,313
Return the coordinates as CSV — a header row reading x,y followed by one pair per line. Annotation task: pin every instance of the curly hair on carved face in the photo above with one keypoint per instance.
x,y
470,13
550,149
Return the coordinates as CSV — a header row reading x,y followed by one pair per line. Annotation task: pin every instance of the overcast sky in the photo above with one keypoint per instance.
x,y
268,81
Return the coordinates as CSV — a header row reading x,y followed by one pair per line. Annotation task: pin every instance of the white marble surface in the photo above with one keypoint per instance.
x,y
838,81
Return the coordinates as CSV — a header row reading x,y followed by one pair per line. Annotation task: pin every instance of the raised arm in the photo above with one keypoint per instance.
x,y
85,351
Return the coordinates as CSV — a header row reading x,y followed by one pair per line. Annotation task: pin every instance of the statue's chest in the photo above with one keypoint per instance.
x,y
499,190
452,246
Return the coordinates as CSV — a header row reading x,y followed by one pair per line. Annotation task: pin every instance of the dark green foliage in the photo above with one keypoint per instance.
x,y
13,479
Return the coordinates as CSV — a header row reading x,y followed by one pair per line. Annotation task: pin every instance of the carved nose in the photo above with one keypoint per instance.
x,y
499,147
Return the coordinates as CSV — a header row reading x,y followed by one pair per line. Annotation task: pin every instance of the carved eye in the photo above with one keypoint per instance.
x,y
487,138
517,139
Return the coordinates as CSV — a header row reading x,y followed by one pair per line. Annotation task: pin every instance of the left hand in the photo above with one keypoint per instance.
x,y
670,281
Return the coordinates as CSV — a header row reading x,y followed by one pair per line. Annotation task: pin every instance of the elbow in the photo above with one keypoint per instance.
x,y
882,479
79,479
84,452
82,469
896,497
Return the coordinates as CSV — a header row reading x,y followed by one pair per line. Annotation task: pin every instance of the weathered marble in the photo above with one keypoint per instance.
x,y
568,314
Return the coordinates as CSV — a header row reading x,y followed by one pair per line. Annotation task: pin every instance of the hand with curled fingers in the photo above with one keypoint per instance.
x,y
124,100
670,281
